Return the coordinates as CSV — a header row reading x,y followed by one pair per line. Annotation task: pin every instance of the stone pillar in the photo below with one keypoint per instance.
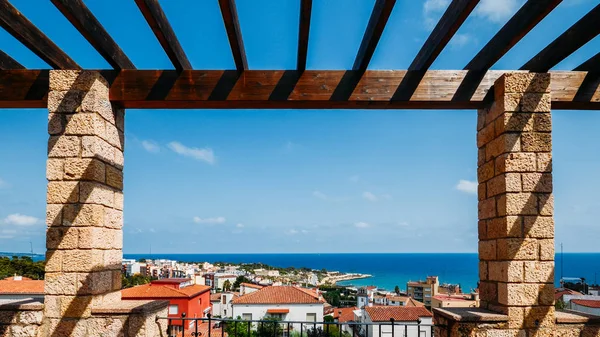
x,y
84,237
516,225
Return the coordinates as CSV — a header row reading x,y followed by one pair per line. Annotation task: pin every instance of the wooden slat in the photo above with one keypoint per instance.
x,y
303,33
379,17
86,23
7,62
453,18
310,89
592,80
526,18
161,27
234,33
574,38
29,35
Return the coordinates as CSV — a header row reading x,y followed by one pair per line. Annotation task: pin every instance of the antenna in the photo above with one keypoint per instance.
x,y
31,245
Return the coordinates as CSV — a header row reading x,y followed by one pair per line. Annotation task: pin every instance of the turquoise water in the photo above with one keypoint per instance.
x,y
389,270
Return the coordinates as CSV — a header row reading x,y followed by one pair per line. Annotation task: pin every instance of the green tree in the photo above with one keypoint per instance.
x,y
226,285
333,297
560,304
21,266
133,280
239,280
270,327
397,290
240,328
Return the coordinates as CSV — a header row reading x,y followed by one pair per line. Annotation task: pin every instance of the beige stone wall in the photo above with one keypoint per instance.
x,y
20,320
516,205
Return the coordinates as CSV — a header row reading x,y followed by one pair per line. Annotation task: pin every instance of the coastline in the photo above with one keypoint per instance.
x,y
344,277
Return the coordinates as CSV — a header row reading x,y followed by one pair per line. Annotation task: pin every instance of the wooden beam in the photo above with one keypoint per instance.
x,y
7,62
453,18
234,33
574,38
526,18
593,64
303,33
592,80
272,89
161,27
379,18
29,35
86,23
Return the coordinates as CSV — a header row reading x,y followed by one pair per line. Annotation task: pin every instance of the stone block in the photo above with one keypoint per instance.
x,y
514,122
542,122
485,172
504,227
546,294
99,103
83,215
518,294
505,271
24,330
523,82
517,249
119,159
488,291
539,272
487,208
118,200
109,326
82,80
30,317
508,182
516,162
85,124
546,249
517,204
504,143
96,193
486,135
544,161
481,191
539,227
64,146
119,118
546,203
94,238
61,192
77,260
65,102
482,229
95,283
84,169
536,142
487,250
7,317
526,102
96,147
113,218
76,306
54,260
54,213
537,182
64,327
114,177
112,259
60,284
61,238
483,271
54,169
481,118
56,123
112,136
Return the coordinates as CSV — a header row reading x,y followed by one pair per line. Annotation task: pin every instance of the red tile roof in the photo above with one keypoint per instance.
x,y
587,303
344,314
404,314
215,297
147,291
278,295
251,285
413,303
565,291
24,286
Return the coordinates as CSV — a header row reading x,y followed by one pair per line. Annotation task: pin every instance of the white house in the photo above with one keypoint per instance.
x,y
220,280
284,302
588,306
405,319
221,304
247,288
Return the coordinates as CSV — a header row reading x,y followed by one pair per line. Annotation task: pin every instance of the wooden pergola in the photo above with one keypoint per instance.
x,y
358,88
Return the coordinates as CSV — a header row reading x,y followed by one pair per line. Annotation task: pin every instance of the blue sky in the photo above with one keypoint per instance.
x,y
201,181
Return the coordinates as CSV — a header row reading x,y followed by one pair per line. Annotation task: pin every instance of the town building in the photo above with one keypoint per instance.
x,y
247,288
20,287
455,301
221,304
415,321
284,302
422,291
221,279
591,307
182,294
362,298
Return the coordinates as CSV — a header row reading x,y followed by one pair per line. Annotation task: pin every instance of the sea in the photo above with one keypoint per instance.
x,y
390,270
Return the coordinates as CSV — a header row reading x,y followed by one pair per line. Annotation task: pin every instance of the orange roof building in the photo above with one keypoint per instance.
x,y
18,287
414,321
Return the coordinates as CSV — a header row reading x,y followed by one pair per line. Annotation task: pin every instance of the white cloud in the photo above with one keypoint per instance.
x,y
216,220
435,6
497,11
460,40
150,146
467,186
240,225
205,154
370,196
362,225
21,220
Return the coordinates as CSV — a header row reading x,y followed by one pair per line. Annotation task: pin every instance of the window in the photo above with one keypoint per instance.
x,y
311,317
247,317
224,299
173,309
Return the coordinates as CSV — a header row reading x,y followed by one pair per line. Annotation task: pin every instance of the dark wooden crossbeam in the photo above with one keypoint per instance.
x,y
161,27
379,18
453,18
29,35
526,18
303,33
86,23
591,82
314,89
234,33
574,38
593,64
7,62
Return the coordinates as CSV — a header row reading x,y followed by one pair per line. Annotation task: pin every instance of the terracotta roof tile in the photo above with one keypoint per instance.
x,y
414,303
158,291
278,295
251,285
215,297
403,314
565,291
587,303
344,314
22,287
